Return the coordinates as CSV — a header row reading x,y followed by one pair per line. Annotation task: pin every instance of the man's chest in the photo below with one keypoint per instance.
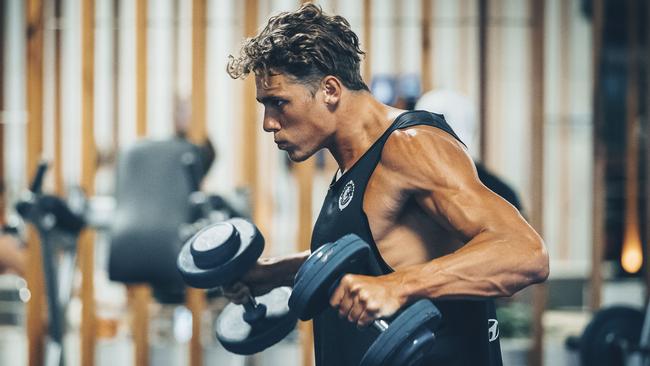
x,y
385,202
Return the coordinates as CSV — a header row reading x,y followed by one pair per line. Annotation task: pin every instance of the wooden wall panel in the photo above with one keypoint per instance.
x,y
564,101
141,67
599,193
139,300
3,42
427,45
34,96
198,134
537,57
58,146
140,295
249,145
367,39
647,155
116,76
305,177
86,251
483,58
465,44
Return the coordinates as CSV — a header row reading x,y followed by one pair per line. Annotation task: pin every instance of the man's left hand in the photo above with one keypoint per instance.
x,y
362,299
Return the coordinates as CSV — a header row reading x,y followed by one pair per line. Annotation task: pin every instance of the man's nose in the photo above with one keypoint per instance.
x,y
270,123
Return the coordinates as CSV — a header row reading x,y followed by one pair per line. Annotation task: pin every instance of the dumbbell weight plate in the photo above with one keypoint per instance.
x,y
609,326
250,248
322,270
408,337
215,246
239,337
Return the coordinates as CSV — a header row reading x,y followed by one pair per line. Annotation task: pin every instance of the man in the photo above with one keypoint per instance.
x,y
406,185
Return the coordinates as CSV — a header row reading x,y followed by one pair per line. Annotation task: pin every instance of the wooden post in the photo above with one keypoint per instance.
x,y
599,189
564,101
397,54
426,61
249,134
34,98
3,42
116,76
140,295
139,300
632,251
88,168
176,19
537,55
647,162
58,151
141,67
482,75
198,133
305,175
464,44
367,39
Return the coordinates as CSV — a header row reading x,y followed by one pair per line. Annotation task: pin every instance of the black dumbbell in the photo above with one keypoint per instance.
x,y
612,333
219,255
404,340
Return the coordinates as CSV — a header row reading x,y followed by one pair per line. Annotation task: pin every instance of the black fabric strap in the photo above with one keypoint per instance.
x,y
415,118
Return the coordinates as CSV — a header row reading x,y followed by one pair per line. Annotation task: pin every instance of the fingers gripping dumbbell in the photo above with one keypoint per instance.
x,y
221,254
404,340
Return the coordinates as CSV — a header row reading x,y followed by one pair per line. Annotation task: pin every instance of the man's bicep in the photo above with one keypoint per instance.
x,y
436,169
466,209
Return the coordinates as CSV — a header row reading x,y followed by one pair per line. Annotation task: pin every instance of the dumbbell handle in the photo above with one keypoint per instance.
x,y
250,303
380,324
253,311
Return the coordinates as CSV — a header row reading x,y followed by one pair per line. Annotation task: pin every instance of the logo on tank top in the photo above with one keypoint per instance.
x,y
493,330
346,195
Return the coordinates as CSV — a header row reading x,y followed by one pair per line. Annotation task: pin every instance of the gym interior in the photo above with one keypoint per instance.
x,y
122,136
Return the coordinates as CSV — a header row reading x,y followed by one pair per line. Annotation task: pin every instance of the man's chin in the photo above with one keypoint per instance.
x,y
296,157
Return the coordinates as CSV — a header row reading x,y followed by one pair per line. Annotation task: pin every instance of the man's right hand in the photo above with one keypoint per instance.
x,y
258,281
267,274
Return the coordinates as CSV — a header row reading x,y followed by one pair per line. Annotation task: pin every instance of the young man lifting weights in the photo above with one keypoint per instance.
x,y
405,184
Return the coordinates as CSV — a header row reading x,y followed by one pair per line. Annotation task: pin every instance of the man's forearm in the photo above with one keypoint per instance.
x,y
284,268
483,268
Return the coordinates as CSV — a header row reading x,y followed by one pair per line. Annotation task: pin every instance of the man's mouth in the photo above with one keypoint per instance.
x,y
282,145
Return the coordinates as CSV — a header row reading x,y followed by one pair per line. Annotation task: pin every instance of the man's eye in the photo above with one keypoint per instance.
x,y
279,103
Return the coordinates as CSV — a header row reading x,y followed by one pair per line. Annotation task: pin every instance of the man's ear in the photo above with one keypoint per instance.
x,y
332,89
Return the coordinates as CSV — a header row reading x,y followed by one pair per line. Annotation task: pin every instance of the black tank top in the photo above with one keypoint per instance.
x,y
468,334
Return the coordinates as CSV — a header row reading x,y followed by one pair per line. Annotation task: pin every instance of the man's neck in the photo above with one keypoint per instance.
x,y
362,121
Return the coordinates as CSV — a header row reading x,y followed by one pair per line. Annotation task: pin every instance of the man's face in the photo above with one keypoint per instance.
x,y
298,119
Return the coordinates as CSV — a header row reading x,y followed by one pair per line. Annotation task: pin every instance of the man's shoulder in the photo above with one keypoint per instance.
x,y
424,156
419,142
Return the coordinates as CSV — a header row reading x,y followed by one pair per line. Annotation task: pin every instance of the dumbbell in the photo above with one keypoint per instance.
x,y
404,340
219,255
612,336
